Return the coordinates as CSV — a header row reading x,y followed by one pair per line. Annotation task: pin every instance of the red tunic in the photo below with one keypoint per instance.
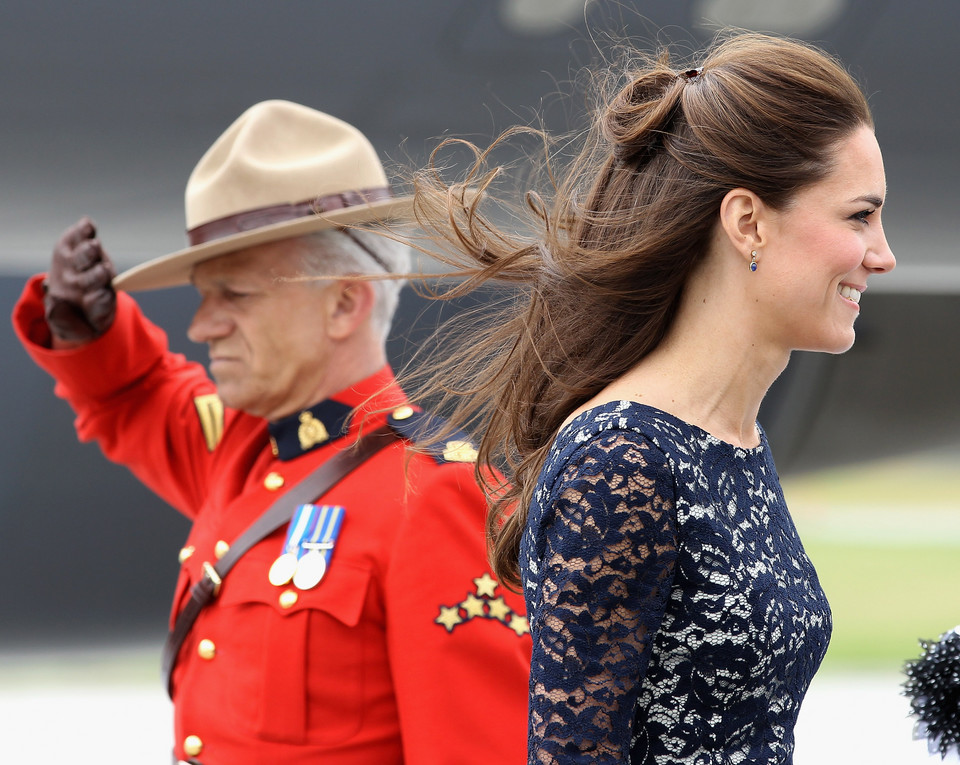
x,y
408,651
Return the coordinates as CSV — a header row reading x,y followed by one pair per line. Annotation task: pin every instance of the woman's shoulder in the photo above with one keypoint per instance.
x,y
631,419
614,432
609,455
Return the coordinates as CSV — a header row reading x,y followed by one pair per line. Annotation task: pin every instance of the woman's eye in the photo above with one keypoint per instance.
x,y
863,215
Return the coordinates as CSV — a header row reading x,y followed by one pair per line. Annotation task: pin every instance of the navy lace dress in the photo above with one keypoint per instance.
x,y
675,616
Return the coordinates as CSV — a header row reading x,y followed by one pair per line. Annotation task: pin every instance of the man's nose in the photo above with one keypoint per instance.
x,y
208,323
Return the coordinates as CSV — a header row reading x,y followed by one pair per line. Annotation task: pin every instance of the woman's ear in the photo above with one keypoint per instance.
x,y
350,304
742,216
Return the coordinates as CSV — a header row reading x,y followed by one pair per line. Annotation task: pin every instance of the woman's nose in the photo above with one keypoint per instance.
x,y
880,258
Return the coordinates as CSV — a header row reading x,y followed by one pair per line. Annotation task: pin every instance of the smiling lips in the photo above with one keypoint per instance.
x,y
850,293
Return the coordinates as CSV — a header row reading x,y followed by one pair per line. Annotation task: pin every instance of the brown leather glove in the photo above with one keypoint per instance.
x,y
80,302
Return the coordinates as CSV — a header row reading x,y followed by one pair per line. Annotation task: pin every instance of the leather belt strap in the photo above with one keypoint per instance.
x,y
280,512
267,216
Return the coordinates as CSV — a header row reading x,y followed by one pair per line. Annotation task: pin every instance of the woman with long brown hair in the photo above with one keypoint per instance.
x,y
717,219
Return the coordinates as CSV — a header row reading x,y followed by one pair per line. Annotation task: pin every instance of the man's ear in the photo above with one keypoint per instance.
x,y
350,303
743,220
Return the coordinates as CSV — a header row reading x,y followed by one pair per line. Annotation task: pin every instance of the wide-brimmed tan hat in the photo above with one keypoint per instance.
x,y
281,170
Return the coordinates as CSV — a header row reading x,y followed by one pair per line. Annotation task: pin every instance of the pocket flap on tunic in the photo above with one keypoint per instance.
x,y
341,593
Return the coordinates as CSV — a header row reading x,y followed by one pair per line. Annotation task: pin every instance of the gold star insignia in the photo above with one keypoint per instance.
x,y
449,617
486,585
473,606
499,609
519,624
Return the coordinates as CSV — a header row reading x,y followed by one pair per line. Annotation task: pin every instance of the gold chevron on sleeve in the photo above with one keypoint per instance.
x,y
210,412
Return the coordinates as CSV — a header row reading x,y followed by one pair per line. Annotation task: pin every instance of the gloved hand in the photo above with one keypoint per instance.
x,y
80,302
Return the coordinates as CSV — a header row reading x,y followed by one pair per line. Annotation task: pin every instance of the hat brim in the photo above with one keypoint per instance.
x,y
174,270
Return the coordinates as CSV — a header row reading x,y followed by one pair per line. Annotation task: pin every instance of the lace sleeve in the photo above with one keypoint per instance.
x,y
608,546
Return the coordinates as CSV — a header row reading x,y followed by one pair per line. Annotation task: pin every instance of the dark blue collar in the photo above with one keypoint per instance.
x,y
309,429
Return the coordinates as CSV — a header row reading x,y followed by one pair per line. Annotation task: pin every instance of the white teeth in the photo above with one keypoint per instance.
x,y
850,293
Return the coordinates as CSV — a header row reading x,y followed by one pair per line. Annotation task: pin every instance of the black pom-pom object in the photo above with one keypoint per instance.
x,y
933,687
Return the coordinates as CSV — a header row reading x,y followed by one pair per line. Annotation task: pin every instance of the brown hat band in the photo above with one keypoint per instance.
x,y
266,216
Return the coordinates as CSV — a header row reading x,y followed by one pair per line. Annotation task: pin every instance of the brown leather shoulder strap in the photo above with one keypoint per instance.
x,y
315,485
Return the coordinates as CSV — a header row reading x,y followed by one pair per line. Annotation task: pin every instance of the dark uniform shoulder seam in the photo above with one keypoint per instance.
x,y
417,426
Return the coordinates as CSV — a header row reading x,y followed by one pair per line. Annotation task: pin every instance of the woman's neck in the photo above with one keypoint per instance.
x,y
708,372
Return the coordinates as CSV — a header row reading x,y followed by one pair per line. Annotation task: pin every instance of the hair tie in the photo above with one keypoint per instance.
x,y
691,74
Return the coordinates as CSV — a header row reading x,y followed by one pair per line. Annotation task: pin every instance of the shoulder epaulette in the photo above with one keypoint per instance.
x,y
417,426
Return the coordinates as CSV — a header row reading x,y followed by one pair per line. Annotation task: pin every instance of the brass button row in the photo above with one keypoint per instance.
x,y
206,648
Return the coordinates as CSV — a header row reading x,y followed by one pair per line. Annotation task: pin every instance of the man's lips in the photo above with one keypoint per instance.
x,y
221,360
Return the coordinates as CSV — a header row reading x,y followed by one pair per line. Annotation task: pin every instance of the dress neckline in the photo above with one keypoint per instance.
x,y
622,405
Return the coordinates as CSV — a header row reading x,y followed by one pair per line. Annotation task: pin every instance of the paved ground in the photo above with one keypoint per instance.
x,y
106,707
858,719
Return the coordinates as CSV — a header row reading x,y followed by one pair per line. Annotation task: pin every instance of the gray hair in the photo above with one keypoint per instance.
x,y
336,252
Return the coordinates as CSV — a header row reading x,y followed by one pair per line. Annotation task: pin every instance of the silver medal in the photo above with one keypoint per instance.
x,y
310,570
283,569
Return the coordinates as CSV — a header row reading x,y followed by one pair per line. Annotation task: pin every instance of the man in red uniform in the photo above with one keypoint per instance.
x,y
368,629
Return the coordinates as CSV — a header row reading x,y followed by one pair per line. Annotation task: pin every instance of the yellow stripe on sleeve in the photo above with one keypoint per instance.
x,y
210,412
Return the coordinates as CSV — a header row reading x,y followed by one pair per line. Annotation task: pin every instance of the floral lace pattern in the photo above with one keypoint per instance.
x,y
675,615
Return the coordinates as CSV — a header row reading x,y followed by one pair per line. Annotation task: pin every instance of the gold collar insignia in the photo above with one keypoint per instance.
x,y
311,431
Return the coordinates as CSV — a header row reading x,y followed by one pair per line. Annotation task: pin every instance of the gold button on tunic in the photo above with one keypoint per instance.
x,y
192,746
273,481
206,649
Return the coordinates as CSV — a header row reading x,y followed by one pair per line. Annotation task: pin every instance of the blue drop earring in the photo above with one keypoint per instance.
x,y
753,260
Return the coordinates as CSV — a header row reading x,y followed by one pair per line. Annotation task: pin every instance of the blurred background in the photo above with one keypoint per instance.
x,y
105,107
